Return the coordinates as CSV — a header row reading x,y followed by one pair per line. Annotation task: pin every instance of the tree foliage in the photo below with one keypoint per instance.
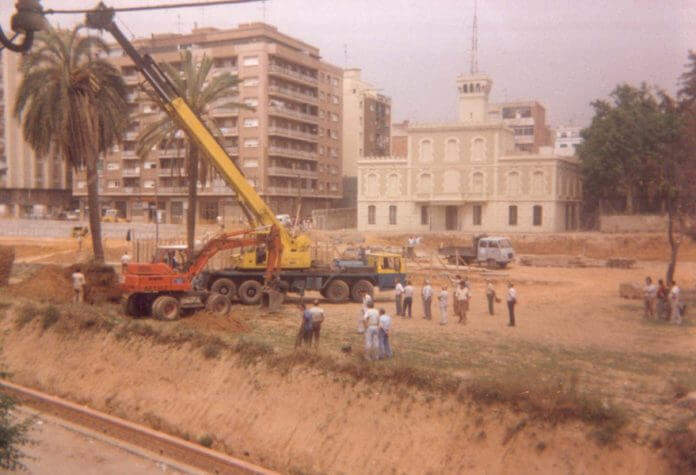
x,y
204,93
13,435
72,103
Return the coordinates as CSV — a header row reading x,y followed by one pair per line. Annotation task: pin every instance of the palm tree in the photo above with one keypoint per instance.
x,y
73,102
203,92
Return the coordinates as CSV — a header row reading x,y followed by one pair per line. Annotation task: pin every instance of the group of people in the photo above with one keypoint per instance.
x,y
310,328
663,302
462,298
376,326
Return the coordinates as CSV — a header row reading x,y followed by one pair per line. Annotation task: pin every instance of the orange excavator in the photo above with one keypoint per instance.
x,y
158,289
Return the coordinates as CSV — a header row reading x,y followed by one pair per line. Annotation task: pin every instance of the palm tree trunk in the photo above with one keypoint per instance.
x,y
192,173
94,209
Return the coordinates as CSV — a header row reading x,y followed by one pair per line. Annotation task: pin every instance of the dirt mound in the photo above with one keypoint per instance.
x,y
7,256
204,320
50,284
102,282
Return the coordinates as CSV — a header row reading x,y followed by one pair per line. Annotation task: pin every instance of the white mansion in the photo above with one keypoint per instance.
x,y
468,176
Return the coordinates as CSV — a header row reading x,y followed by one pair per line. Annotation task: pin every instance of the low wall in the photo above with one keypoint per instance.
x,y
340,218
636,223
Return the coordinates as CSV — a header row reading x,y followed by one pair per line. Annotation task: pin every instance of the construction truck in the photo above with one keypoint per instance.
x,y
270,260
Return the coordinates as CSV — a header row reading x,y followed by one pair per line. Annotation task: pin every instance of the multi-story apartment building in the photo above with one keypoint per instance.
x,y
366,128
30,185
527,119
287,141
567,140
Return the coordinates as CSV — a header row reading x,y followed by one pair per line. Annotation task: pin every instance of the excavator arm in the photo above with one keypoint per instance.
x,y
222,242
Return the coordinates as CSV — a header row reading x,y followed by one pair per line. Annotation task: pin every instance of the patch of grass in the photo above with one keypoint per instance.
x,y
50,315
206,440
683,384
212,351
680,447
25,314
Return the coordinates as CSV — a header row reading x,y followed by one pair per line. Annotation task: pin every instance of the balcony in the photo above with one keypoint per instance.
x,y
129,155
131,172
291,152
294,114
292,172
289,191
295,134
289,73
130,135
225,69
232,150
171,172
172,152
293,94
171,189
229,131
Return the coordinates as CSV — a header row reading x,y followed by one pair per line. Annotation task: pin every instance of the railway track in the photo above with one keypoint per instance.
x,y
194,455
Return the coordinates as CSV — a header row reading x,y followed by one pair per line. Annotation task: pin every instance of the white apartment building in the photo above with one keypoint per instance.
x,y
567,140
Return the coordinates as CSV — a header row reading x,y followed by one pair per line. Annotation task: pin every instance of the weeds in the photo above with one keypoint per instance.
x,y
212,351
680,446
50,316
206,440
25,314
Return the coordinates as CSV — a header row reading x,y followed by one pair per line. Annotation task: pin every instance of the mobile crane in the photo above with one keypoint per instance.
x,y
271,259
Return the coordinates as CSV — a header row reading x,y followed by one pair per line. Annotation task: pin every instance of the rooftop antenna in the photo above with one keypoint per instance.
x,y
345,55
473,68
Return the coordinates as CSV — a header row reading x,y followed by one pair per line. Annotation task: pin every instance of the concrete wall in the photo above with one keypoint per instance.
x,y
337,218
632,223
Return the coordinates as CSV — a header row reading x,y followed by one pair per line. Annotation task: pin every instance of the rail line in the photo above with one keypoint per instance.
x,y
158,442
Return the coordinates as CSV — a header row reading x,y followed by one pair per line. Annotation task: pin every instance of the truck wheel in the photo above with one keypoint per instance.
x,y
360,288
250,292
491,264
337,291
218,304
166,307
135,305
224,287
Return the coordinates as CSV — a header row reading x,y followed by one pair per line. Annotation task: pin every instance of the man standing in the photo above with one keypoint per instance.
x,y
491,296
399,293
455,286
427,295
408,299
371,334
305,332
442,303
79,283
511,301
462,294
384,329
125,260
674,295
317,318
649,296
367,299
662,300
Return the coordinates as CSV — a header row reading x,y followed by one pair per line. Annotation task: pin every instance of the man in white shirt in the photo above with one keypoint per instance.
x,y
462,294
674,295
427,294
367,299
317,318
491,297
125,260
371,320
408,299
399,295
384,333
511,302
649,297
79,283
442,302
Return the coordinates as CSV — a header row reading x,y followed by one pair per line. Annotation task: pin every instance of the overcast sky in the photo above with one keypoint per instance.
x,y
563,53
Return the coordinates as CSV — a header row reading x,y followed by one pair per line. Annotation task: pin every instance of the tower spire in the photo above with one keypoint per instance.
x,y
473,68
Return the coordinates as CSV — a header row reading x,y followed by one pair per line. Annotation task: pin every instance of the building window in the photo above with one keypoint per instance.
x,y
514,186
478,149
149,184
251,81
251,143
452,150
426,150
251,122
477,215
392,214
537,215
251,102
250,61
425,184
371,185
113,183
425,218
334,99
477,182
371,212
512,215
112,166
251,163
538,183
209,210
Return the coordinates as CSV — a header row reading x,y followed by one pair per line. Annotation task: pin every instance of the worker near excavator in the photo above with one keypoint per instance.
x,y
79,283
304,335
317,318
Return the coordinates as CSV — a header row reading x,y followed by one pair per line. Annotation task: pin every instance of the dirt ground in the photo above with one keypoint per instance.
x,y
571,327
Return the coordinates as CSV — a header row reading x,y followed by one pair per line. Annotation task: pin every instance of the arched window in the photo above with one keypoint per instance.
x,y
393,185
451,150
478,87
465,88
538,183
478,149
426,150
477,184
425,183
514,185
371,185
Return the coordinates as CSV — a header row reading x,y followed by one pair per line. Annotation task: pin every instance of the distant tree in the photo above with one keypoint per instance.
x,y
75,103
621,146
13,435
203,92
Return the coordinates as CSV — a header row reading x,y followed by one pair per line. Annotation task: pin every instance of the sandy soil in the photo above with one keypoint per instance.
x,y
570,321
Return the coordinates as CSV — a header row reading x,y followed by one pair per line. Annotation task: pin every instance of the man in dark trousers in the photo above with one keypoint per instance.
x,y
317,318
511,301
304,335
